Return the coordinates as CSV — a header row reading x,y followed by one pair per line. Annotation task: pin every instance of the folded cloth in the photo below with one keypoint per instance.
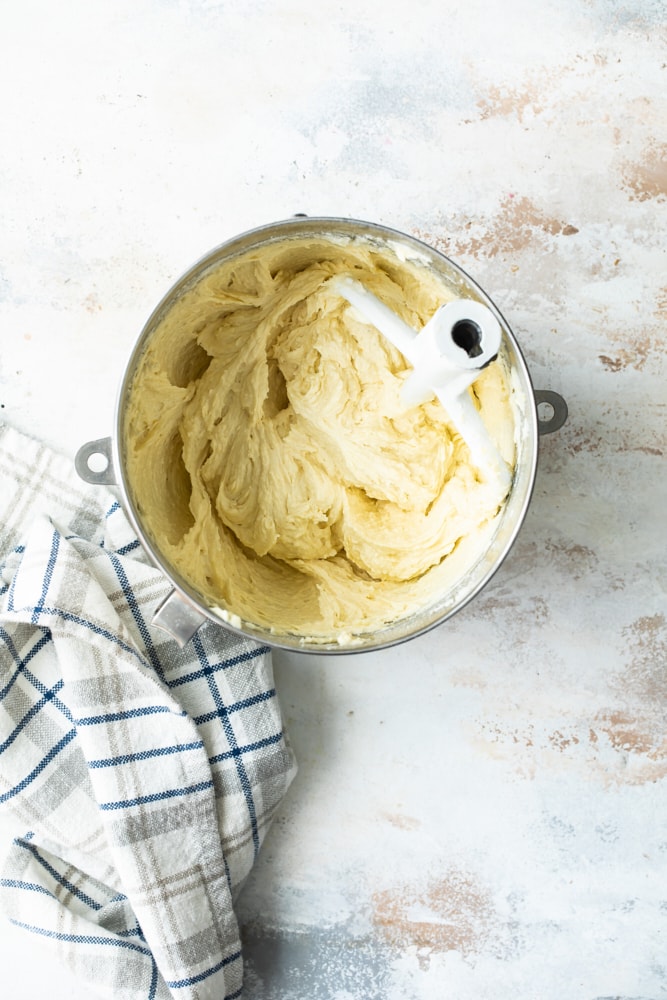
x,y
144,777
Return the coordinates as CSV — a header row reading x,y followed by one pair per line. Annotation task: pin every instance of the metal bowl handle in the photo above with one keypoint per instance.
x,y
551,411
104,474
178,618
175,615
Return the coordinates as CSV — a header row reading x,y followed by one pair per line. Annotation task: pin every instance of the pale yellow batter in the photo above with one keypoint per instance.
x,y
271,457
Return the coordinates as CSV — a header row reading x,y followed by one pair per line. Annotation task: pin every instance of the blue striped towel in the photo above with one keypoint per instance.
x,y
141,777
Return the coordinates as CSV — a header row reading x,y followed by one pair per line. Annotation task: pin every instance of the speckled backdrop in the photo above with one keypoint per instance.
x,y
482,812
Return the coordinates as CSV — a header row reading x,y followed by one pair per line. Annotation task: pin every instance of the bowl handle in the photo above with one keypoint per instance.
x,y
551,411
100,449
176,616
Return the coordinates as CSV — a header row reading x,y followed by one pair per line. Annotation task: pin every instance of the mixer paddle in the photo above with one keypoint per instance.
x,y
447,355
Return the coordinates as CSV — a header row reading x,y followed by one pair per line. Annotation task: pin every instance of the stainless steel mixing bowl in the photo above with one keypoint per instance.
x,y
185,610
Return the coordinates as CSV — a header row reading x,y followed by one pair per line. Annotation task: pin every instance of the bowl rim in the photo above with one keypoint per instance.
x,y
426,619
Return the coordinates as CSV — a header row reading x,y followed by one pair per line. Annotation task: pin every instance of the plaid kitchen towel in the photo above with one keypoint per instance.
x,y
142,777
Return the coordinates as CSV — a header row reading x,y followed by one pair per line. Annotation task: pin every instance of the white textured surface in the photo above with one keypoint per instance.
x,y
482,812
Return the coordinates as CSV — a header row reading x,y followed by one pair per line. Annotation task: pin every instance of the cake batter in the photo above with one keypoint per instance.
x,y
271,457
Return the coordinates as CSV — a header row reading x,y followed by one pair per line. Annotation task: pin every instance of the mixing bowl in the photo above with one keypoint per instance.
x,y
186,608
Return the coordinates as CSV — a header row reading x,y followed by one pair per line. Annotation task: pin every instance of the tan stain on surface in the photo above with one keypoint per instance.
x,y
646,676
634,357
613,438
647,179
614,747
453,913
623,744
559,741
402,822
91,303
527,738
507,102
640,741
518,225
578,439
512,610
575,559
624,732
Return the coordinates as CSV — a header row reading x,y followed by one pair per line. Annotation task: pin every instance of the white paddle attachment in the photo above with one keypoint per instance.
x,y
446,355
